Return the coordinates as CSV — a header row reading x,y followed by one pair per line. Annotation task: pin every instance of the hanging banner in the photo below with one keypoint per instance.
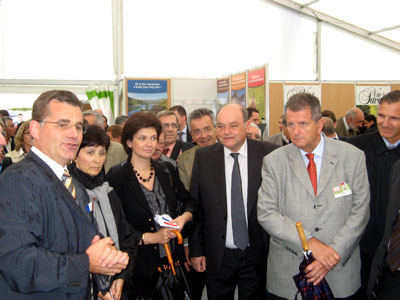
x,y
142,95
222,92
256,90
291,89
238,89
368,97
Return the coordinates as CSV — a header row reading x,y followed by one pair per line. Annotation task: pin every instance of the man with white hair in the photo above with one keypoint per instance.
x,y
349,124
254,132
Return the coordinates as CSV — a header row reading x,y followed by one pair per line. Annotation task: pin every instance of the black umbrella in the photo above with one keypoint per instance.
x,y
309,291
172,283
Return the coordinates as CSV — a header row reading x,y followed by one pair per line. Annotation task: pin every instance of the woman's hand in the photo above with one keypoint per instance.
x,y
160,237
116,288
183,219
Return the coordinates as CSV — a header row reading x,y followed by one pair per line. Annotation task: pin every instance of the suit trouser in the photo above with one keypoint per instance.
x,y
238,268
390,285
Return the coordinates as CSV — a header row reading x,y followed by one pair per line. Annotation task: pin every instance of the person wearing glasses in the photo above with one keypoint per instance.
x,y
173,146
49,239
23,143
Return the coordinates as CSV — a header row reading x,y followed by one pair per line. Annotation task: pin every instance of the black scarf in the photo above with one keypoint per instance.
x,y
89,181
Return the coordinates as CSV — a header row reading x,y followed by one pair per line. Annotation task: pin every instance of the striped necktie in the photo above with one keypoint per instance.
x,y
67,181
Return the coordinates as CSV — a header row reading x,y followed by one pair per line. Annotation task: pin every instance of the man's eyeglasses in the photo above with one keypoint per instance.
x,y
167,125
66,125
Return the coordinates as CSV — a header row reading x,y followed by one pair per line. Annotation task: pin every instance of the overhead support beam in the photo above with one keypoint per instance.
x,y
386,29
338,23
309,3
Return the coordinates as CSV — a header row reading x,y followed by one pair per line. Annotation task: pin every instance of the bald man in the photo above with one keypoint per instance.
x,y
228,244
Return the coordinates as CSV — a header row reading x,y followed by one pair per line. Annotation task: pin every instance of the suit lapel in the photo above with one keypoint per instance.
x,y
329,161
299,169
252,176
61,193
133,186
218,164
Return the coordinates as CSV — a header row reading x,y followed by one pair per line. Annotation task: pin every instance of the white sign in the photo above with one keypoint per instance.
x,y
370,95
290,90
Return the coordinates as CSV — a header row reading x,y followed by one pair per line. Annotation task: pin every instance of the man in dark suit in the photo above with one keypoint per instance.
x,y
183,130
5,162
173,146
384,280
228,243
48,241
382,150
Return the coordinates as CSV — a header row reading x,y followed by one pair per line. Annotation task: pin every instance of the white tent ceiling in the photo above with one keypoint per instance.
x,y
373,19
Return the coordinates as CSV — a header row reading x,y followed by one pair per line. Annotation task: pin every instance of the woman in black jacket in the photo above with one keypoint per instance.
x,y
87,168
148,188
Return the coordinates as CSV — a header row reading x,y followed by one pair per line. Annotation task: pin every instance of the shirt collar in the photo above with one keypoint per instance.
x,y
389,145
54,166
242,150
319,150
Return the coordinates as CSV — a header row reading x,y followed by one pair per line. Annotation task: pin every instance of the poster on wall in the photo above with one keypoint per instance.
x,y
367,97
291,89
143,94
222,92
256,90
238,89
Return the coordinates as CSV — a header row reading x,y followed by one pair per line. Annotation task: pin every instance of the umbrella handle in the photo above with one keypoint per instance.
x,y
169,256
302,236
178,236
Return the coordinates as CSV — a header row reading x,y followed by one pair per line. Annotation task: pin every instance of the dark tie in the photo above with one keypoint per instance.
x,y
312,171
67,181
393,254
239,225
180,134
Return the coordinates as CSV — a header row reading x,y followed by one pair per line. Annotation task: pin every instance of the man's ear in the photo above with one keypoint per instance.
x,y
34,129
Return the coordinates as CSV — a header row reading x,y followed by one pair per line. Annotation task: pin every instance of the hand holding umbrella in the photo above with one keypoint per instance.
x,y
308,290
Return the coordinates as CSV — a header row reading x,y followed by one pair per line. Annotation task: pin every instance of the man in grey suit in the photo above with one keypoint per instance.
x,y
323,184
48,241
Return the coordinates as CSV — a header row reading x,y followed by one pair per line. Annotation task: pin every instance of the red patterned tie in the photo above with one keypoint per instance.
x,y
312,171
165,151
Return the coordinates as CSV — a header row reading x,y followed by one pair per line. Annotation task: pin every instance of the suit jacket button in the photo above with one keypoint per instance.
x,y
152,228
223,236
224,218
149,219
155,247
317,229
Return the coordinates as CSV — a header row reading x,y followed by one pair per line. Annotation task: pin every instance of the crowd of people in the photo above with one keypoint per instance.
x,y
81,200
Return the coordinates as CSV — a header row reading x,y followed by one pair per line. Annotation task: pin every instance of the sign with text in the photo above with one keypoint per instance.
x,y
142,94
368,97
256,90
238,89
222,92
291,89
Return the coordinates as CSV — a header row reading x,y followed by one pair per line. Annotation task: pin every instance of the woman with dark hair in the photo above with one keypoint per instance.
x,y
148,188
88,169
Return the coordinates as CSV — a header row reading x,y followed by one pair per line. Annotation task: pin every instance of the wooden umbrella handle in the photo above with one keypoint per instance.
x,y
169,256
302,236
178,236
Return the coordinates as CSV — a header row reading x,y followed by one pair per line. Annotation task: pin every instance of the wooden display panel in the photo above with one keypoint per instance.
x,y
337,97
275,106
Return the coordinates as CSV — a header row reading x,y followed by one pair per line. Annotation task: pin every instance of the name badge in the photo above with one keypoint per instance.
x,y
342,190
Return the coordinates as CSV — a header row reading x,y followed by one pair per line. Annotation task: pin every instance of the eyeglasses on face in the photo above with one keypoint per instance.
x,y
67,125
